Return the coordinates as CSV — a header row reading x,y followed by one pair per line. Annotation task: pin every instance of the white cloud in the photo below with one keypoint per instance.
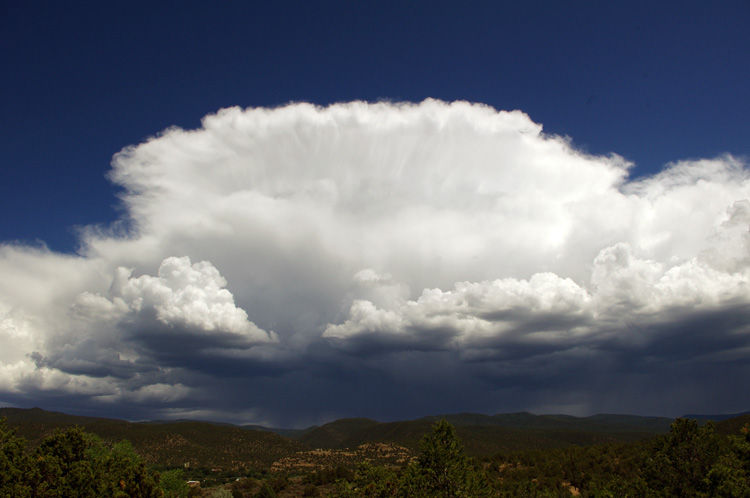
x,y
623,289
25,376
182,294
382,228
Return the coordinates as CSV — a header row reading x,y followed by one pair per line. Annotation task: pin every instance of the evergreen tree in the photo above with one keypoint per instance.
x,y
14,463
442,469
730,477
681,460
72,464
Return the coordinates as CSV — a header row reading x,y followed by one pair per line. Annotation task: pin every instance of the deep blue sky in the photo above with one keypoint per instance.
x,y
651,81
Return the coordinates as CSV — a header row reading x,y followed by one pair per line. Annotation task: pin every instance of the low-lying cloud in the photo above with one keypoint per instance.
x,y
354,259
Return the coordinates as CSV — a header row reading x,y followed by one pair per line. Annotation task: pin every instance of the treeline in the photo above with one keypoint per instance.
x,y
690,461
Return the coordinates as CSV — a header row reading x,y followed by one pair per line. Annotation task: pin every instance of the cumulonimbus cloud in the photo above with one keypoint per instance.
x,y
361,231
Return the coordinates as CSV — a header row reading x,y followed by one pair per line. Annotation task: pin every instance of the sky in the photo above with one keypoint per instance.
x,y
290,212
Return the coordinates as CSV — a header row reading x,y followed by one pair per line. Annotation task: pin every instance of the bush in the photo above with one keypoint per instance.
x,y
221,493
310,491
173,483
243,486
266,491
278,483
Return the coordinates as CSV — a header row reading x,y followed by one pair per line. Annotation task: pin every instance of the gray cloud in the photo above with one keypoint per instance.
x,y
359,258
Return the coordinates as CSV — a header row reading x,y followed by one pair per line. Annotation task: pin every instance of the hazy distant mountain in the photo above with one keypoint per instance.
x,y
290,433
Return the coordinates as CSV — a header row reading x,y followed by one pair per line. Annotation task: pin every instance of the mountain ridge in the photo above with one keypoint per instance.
x,y
225,445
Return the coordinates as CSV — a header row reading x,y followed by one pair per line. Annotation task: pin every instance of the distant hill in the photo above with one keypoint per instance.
x,y
221,445
732,426
39,416
490,439
595,423
489,434
181,420
335,434
200,444
716,417
290,433
407,434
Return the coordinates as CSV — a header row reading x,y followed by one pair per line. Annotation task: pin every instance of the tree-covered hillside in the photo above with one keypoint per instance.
x,y
198,444
689,461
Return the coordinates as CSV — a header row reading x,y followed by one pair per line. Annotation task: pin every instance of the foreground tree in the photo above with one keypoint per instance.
x,y
14,463
730,476
72,464
682,459
442,469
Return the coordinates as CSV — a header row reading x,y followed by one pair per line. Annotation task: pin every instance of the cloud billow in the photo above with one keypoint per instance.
x,y
382,239
184,296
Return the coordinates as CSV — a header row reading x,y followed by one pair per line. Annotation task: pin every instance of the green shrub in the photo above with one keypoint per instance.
x,y
221,493
173,483
265,491
311,491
